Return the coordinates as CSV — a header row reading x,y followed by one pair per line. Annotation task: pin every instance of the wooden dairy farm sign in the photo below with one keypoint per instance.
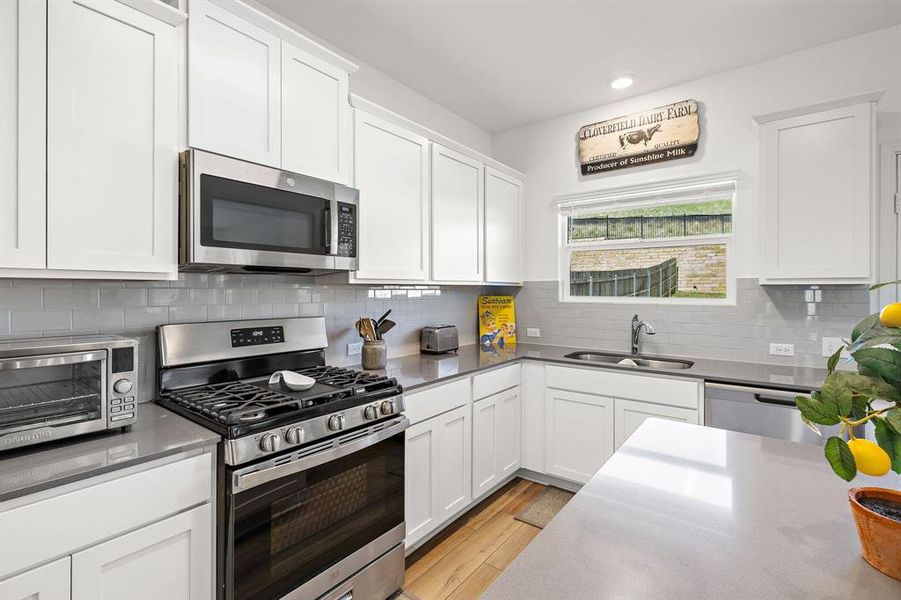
x,y
656,135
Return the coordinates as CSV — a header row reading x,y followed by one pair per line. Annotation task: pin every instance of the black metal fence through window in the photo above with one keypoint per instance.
x,y
622,228
658,281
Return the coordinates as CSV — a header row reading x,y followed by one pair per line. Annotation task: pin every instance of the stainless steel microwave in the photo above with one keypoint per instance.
x,y
236,216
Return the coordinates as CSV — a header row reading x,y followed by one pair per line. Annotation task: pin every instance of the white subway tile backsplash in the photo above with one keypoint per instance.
x,y
167,296
21,298
71,298
40,320
114,297
105,319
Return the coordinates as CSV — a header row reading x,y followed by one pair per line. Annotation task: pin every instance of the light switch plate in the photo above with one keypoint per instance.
x,y
831,344
782,349
355,348
533,332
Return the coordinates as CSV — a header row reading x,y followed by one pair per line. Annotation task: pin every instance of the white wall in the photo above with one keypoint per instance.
x,y
547,152
376,86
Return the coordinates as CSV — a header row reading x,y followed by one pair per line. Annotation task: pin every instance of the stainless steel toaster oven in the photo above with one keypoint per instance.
x,y
56,387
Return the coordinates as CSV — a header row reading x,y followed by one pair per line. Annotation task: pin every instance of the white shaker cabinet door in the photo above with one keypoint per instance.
x,y
454,468
234,90
579,435
171,559
23,53
816,197
503,227
457,216
496,439
629,415
420,481
316,117
49,582
391,170
112,128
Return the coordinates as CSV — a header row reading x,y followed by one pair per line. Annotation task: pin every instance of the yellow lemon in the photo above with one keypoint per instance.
x,y
891,315
870,458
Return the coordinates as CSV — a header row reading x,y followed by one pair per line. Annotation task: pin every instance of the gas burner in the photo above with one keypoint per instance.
x,y
236,402
340,377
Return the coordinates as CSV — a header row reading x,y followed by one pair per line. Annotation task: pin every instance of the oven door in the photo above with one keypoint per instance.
x,y
304,522
43,398
237,213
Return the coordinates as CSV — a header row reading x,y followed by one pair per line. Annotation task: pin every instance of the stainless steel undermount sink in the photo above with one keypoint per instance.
x,y
641,360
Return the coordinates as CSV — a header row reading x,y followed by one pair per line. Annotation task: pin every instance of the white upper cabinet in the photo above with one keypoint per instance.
x,y
457,216
503,227
112,129
23,91
391,170
815,196
316,117
234,92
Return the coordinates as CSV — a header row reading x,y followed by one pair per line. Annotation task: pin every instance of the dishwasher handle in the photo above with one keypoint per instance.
x,y
768,399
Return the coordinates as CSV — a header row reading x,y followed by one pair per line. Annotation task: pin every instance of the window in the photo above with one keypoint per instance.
x,y
662,243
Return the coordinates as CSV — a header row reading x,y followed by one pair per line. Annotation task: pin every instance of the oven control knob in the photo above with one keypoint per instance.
x,y
270,442
371,412
336,422
123,386
387,407
294,435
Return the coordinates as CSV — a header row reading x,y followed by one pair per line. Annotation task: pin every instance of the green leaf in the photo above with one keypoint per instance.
x,y
890,441
816,410
893,418
840,458
811,425
876,336
864,325
833,360
835,390
859,407
883,361
873,387
876,286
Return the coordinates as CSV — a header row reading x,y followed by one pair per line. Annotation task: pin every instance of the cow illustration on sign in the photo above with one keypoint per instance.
x,y
638,136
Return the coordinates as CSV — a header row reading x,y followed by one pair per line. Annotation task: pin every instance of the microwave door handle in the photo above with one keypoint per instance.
x,y
332,224
327,229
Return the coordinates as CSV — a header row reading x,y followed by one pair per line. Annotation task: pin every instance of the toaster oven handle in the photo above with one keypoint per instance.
x,y
50,360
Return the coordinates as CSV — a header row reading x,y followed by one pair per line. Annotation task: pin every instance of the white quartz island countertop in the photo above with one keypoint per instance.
x,y
684,511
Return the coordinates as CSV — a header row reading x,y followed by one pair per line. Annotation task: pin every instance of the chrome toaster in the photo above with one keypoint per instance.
x,y
437,339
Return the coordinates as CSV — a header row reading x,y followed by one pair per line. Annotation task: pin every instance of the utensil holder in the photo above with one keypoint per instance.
x,y
375,354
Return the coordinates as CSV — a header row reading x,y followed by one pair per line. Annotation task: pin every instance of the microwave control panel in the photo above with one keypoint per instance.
x,y
347,230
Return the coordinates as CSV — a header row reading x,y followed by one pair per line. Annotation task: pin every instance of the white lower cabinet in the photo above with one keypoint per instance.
x,y
437,478
578,434
496,439
49,582
628,415
171,559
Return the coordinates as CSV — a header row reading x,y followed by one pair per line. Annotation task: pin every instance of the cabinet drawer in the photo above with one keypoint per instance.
x,y
434,401
494,381
88,515
673,392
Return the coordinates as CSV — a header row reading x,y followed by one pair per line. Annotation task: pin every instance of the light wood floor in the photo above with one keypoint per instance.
x,y
464,559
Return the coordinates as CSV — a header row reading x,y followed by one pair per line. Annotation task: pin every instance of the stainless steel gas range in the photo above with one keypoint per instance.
x,y
311,481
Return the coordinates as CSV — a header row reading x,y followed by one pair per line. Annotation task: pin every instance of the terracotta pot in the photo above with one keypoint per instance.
x,y
880,537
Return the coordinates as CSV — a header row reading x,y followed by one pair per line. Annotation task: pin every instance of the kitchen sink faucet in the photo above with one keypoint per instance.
x,y
636,332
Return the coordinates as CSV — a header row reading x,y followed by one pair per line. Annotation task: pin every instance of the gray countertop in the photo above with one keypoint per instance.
x,y
684,511
422,369
157,433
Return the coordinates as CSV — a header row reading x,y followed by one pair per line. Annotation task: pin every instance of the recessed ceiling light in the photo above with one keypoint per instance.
x,y
621,83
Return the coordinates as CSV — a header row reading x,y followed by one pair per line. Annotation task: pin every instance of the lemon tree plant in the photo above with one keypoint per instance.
x,y
872,394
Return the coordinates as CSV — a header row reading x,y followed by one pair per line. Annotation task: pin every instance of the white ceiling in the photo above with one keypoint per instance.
x,y
501,64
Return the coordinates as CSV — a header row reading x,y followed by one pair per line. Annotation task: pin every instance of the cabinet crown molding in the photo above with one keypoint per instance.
x,y
873,96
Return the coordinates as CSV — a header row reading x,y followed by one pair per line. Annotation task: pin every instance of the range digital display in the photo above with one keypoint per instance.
x,y
256,336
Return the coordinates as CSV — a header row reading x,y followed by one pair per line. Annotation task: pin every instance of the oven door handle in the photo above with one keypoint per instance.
x,y
51,360
251,477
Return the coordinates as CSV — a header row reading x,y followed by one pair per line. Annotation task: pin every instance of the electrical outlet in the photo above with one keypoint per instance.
x,y
533,332
831,344
782,349
355,348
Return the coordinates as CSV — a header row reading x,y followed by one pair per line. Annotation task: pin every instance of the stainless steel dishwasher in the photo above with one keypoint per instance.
x,y
762,411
